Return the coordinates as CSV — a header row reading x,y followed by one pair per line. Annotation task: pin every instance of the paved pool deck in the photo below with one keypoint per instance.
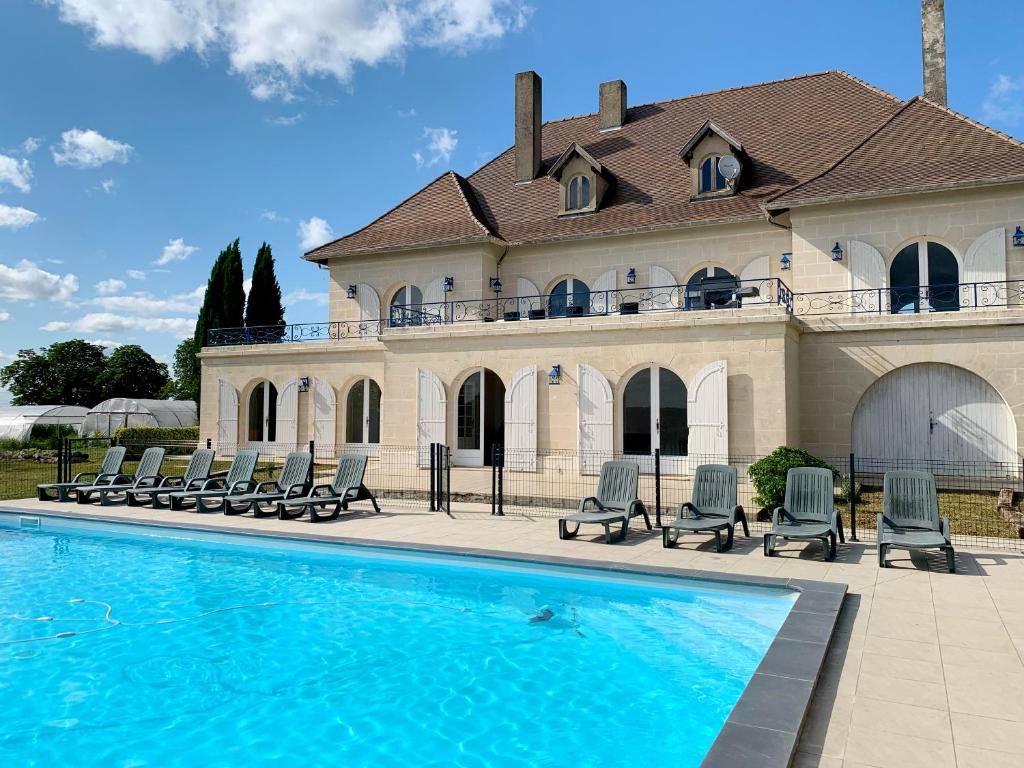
x,y
926,668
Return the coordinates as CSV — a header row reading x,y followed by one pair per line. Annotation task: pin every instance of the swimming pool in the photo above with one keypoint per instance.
x,y
131,645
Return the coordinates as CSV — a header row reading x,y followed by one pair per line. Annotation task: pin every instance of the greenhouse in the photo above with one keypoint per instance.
x,y
18,421
110,415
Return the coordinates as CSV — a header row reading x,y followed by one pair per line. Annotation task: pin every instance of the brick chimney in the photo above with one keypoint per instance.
x,y
527,126
933,49
612,100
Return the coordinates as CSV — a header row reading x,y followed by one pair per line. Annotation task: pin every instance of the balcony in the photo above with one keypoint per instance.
x,y
909,300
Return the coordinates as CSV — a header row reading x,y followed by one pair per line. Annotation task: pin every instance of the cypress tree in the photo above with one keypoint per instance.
x,y
233,308
224,302
263,307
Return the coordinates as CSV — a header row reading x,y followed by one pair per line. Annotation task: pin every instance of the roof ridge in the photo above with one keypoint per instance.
x,y
969,120
460,185
846,156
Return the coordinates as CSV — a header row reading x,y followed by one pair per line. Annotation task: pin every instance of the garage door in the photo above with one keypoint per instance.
x,y
934,412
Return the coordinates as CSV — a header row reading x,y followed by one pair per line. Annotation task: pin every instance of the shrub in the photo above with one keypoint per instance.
x,y
140,437
768,474
844,489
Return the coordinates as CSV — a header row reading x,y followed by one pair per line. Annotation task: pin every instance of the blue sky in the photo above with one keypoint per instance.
x,y
137,139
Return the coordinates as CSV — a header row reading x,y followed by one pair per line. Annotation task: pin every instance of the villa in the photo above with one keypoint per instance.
x,y
810,261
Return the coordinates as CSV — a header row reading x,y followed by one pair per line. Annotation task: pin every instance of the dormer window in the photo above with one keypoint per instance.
x,y
577,193
711,178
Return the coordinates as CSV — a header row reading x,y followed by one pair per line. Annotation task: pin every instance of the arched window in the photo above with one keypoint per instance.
x,y
362,412
711,179
407,306
654,413
924,277
577,193
712,288
569,297
263,413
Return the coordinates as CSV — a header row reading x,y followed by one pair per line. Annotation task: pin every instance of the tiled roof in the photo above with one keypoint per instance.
x,y
924,146
820,134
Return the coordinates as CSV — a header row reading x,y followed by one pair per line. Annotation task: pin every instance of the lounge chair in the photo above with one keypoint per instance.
x,y
910,517
712,508
293,480
110,467
196,473
147,475
616,502
346,487
809,511
238,481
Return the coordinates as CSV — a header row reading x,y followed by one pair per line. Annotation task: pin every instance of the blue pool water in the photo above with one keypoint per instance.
x,y
217,650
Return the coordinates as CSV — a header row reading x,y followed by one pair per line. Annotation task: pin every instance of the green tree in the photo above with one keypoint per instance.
x,y
132,372
263,307
185,385
64,373
224,301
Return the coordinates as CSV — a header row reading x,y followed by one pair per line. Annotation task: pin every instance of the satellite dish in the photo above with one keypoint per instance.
x,y
729,167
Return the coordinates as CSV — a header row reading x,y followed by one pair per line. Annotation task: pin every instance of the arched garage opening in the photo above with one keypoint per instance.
x,y
937,413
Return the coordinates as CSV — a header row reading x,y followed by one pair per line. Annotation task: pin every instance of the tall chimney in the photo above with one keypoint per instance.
x,y
527,126
612,100
933,49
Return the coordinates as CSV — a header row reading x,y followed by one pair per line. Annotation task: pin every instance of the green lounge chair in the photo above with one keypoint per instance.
x,y
238,481
196,473
346,487
147,475
809,511
110,468
616,502
293,480
712,508
910,517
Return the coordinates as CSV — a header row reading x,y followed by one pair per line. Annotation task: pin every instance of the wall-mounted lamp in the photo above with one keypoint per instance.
x,y
786,262
1018,237
495,283
351,291
555,375
631,276
304,384
837,252
449,284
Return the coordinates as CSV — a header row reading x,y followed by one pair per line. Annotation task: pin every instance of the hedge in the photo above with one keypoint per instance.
x,y
134,436
768,474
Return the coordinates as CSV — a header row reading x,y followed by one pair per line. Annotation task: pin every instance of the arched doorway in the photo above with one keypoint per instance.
x,y
479,418
263,413
933,412
569,297
362,413
712,288
925,277
653,415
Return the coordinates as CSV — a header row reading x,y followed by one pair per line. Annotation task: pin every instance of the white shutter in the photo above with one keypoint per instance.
x,y
369,309
431,407
529,297
755,275
594,409
601,296
227,416
325,408
288,414
867,277
985,262
666,297
521,420
707,414
433,295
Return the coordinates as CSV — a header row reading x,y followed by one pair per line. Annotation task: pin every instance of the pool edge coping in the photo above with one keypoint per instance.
x,y
765,722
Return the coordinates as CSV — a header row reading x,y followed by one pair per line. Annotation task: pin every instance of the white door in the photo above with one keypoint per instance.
x,y
933,412
521,420
324,412
594,418
431,407
985,270
369,309
288,415
664,289
653,417
227,416
470,408
708,414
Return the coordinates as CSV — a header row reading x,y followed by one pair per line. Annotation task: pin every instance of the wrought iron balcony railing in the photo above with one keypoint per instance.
x,y
283,334
898,300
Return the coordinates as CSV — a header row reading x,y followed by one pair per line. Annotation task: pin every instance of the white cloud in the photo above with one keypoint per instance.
x,y
143,303
4,315
108,322
295,297
108,343
31,144
314,231
274,216
274,44
108,186
136,274
110,286
89,149
16,217
27,282
1002,102
405,113
175,250
441,143
15,173
285,120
